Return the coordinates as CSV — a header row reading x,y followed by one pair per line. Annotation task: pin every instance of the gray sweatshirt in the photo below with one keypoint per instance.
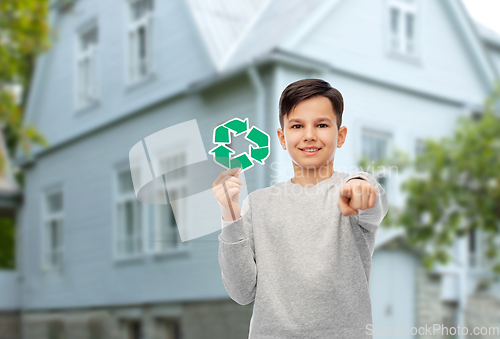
x,y
306,266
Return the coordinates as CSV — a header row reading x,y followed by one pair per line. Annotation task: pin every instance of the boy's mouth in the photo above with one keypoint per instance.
x,y
310,151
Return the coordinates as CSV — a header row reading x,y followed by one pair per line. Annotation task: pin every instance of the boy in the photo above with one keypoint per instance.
x,y
302,248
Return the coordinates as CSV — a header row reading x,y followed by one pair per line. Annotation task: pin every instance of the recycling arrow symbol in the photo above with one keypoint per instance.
x,y
222,153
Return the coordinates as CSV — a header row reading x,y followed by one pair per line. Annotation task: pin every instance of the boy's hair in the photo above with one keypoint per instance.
x,y
306,88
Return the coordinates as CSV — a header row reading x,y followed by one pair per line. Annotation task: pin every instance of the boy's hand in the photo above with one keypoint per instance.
x,y
356,194
226,189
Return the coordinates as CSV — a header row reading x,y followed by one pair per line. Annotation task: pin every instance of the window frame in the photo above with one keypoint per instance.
x,y
125,324
93,55
168,327
477,259
139,217
419,146
47,217
404,9
181,185
132,72
388,137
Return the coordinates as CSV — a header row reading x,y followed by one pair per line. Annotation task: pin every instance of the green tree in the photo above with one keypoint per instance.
x,y
24,34
7,243
453,188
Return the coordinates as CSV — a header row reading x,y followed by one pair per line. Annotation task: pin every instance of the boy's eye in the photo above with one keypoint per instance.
x,y
318,125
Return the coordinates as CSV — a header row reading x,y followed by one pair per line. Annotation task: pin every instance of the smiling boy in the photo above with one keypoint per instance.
x,y
301,249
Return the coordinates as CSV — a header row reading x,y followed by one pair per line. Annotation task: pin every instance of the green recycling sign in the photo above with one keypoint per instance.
x,y
222,137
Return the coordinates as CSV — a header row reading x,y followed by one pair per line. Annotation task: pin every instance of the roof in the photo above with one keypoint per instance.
x,y
235,32
222,22
487,34
278,20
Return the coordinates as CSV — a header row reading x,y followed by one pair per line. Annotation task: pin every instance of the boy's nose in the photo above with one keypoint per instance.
x,y
309,134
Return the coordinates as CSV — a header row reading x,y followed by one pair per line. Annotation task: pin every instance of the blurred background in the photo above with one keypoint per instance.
x,y
82,81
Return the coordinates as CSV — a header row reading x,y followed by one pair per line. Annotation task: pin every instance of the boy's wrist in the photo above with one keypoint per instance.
x,y
228,216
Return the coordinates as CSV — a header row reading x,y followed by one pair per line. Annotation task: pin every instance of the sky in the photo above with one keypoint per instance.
x,y
485,11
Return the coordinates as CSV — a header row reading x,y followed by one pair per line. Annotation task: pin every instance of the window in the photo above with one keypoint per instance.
x,y
96,330
477,115
476,260
140,39
53,230
128,212
403,26
472,247
375,146
55,330
87,67
168,329
133,329
419,146
164,219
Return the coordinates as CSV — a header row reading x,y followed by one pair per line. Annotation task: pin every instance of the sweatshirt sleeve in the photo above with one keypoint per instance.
x,y
370,219
237,256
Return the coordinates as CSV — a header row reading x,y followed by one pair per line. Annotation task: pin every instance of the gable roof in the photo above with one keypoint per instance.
x,y
222,22
280,24
278,20
488,35
469,32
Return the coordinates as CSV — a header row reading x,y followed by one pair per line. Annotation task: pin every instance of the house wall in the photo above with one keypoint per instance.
x,y
9,285
353,38
85,170
494,54
222,319
404,116
92,280
10,325
430,308
483,311
179,59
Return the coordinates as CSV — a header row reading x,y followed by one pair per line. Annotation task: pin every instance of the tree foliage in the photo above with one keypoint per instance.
x,y
453,187
24,34
7,243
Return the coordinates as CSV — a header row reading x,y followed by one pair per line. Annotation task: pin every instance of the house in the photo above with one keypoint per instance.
x,y
93,262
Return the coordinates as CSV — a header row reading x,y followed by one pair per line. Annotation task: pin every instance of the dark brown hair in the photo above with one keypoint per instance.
x,y
307,88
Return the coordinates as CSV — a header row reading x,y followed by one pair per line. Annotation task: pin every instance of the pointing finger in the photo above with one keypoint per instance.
x,y
373,197
346,191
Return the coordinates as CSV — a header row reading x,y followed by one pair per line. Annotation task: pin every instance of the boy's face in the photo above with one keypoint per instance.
x,y
303,127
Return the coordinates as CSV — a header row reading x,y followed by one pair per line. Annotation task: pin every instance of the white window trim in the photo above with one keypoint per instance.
x,y
479,259
46,217
404,8
132,27
162,325
389,137
120,198
183,246
124,322
146,250
418,143
92,55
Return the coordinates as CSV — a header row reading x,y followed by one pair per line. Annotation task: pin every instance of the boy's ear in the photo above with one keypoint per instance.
x,y
281,137
341,136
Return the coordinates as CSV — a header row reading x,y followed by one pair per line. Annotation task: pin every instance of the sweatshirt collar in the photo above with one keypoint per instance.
x,y
335,175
